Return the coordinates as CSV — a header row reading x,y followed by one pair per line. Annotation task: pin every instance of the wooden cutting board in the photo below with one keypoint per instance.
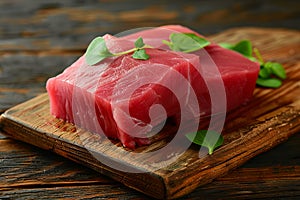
x,y
267,120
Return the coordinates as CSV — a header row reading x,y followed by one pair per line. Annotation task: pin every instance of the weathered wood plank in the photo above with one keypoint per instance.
x,y
86,19
25,166
27,171
23,76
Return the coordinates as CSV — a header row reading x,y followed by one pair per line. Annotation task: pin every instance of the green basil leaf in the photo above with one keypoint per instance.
x,y
277,69
207,138
202,42
270,82
264,72
140,54
97,51
268,65
187,42
243,47
139,43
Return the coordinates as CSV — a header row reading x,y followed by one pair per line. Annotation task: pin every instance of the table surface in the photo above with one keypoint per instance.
x,y
39,39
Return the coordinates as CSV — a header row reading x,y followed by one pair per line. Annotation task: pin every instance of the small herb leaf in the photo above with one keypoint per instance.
x,y
244,47
264,72
270,82
97,51
139,43
207,138
140,54
277,69
201,42
186,42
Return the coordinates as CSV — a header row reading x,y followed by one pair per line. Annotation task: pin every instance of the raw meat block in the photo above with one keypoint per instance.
x,y
118,96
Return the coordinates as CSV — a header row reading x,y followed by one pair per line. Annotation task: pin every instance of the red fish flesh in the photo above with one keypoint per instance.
x,y
118,96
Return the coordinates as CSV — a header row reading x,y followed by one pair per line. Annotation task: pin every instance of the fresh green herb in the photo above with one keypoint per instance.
x,y
98,51
139,43
207,138
270,74
264,73
243,47
140,54
186,42
276,68
269,82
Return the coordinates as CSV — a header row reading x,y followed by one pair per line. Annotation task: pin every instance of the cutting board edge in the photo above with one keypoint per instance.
x,y
276,131
165,188
17,133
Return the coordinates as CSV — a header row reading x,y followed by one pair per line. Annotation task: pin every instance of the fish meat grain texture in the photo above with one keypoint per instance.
x,y
118,96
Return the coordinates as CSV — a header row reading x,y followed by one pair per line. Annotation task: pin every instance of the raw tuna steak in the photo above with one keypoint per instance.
x,y
119,96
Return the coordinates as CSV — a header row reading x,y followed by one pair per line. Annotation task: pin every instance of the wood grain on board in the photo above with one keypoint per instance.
x,y
267,120
28,172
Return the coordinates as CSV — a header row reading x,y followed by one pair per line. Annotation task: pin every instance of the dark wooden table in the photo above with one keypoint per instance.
x,y
39,39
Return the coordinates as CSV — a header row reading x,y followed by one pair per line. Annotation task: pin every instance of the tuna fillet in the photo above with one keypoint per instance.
x,y
122,97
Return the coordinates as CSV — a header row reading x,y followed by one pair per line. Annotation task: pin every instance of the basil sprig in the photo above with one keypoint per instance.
x,y
270,74
207,138
140,52
186,42
98,51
